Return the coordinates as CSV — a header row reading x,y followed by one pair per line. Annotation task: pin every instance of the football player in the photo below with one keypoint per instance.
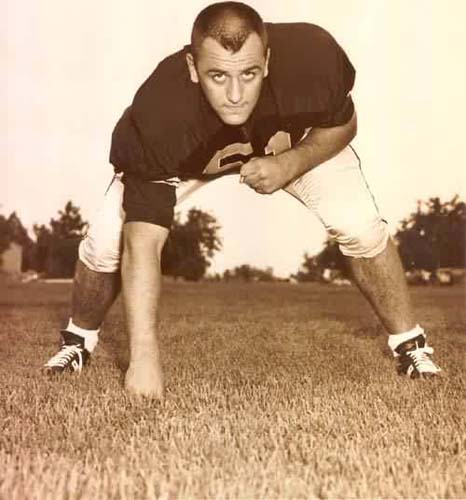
x,y
270,103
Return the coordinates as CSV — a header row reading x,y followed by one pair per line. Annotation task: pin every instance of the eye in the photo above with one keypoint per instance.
x,y
218,77
249,75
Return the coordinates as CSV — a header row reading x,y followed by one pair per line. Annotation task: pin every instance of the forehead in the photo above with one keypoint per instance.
x,y
211,54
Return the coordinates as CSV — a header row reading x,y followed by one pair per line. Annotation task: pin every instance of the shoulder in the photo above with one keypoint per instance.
x,y
304,48
168,111
299,36
168,94
308,71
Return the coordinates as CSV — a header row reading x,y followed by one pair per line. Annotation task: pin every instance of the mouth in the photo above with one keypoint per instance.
x,y
234,109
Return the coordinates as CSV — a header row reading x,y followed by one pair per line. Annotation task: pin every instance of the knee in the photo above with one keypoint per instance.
x,y
143,240
363,240
100,255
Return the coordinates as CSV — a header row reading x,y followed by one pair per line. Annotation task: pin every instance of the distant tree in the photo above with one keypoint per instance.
x,y
12,230
330,257
243,272
309,270
18,232
248,273
44,241
5,235
434,236
70,224
191,245
57,244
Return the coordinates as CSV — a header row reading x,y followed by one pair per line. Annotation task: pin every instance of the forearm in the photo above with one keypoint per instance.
x,y
318,146
141,291
141,277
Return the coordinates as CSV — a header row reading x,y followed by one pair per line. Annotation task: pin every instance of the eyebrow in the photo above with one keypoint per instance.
x,y
251,68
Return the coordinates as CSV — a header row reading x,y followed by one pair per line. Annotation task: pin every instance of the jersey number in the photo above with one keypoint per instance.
x,y
237,154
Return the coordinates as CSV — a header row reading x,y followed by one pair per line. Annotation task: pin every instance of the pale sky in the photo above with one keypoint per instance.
x,y
70,68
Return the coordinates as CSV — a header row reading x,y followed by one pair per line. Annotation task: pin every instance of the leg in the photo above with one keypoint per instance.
x,y
141,276
149,214
97,279
96,284
93,294
338,194
381,280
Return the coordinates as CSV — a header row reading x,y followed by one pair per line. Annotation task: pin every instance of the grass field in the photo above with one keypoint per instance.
x,y
273,391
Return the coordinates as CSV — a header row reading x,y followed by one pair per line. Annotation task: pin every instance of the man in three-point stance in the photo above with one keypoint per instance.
x,y
270,103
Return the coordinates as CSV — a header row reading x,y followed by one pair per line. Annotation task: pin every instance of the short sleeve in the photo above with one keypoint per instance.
x,y
341,82
310,75
153,137
126,152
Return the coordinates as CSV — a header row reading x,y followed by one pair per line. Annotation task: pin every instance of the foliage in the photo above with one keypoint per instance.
x,y
187,253
330,257
57,244
12,230
249,273
70,224
191,245
5,237
434,236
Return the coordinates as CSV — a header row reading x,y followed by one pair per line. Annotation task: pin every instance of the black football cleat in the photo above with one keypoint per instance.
x,y
72,356
414,359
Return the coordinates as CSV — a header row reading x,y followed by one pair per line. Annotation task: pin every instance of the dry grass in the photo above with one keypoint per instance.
x,y
274,391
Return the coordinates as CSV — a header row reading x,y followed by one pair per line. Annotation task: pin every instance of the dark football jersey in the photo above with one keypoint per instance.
x,y
170,130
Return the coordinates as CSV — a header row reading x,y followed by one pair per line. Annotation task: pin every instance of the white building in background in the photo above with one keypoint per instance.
x,y
11,259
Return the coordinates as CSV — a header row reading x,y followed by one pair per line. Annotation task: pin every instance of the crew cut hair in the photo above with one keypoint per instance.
x,y
228,23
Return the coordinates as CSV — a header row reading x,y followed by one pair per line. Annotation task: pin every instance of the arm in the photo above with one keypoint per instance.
x,y
268,174
318,146
141,282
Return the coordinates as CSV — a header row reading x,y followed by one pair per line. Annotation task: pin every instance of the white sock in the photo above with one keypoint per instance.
x,y
398,338
90,337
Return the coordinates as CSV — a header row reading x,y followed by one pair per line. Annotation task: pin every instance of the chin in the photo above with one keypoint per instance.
x,y
234,119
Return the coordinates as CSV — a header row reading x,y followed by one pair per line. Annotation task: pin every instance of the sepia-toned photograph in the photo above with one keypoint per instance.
x,y
233,250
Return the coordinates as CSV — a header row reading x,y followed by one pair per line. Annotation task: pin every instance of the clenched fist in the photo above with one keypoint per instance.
x,y
265,175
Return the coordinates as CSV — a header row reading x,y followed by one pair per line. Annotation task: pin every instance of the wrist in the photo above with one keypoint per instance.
x,y
292,164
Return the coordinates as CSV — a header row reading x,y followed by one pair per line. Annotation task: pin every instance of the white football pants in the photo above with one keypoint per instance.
x,y
335,191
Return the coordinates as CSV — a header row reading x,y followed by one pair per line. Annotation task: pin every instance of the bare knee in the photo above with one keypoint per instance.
x,y
143,241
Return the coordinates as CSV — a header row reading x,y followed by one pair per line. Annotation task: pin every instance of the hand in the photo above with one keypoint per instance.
x,y
265,175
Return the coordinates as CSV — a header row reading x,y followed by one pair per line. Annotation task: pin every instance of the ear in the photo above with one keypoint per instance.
x,y
192,68
266,68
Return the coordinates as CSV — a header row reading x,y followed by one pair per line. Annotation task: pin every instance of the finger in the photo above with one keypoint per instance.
x,y
246,179
252,180
250,167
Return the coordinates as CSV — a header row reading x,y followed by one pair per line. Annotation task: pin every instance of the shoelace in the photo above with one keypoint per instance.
x,y
64,356
421,360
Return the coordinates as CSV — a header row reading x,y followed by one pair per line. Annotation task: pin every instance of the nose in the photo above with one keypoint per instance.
x,y
234,90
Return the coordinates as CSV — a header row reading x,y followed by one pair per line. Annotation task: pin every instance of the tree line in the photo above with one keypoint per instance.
x,y
432,237
53,251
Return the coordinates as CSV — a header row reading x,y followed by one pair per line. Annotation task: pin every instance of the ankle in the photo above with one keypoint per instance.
x,y
396,339
91,337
